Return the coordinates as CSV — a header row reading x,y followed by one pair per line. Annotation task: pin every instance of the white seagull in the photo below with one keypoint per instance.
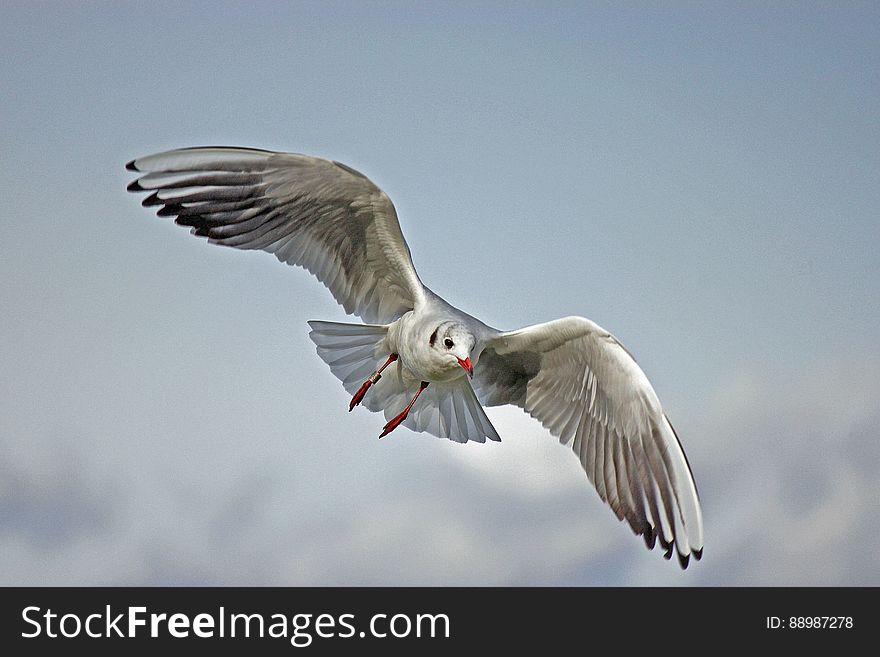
x,y
424,363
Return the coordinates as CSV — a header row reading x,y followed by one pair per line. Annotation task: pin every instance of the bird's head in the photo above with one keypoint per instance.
x,y
453,343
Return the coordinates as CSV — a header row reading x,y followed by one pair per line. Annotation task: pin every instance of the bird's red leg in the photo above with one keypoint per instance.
x,y
394,422
375,376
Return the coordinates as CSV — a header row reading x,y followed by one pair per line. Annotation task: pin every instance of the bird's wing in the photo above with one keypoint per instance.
x,y
582,385
315,213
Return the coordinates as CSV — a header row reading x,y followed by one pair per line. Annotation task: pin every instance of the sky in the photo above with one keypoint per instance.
x,y
701,179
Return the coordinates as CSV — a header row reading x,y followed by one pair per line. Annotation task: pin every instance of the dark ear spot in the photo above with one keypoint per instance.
x,y
433,337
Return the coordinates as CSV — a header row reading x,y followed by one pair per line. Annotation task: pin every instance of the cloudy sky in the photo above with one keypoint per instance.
x,y
703,180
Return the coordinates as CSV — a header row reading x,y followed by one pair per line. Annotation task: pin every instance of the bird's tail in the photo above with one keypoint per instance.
x,y
445,409
353,351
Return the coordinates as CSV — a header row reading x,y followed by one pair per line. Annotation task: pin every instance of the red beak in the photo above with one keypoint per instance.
x,y
466,364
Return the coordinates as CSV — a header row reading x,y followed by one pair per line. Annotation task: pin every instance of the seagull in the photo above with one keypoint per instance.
x,y
418,359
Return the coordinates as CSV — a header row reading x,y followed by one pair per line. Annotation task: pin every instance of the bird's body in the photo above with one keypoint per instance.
x,y
410,337
422,362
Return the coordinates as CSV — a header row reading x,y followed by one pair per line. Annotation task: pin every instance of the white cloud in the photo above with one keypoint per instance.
x,y
787,472
789,482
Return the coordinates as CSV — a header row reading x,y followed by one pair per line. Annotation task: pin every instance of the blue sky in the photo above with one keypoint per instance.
x,y
700,179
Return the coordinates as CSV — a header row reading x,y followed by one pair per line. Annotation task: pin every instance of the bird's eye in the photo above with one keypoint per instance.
x,y
449,344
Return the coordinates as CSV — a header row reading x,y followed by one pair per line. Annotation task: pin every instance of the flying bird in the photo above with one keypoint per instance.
x,y
421,361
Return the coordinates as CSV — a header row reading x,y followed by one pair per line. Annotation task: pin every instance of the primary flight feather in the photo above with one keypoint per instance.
x,y
425,364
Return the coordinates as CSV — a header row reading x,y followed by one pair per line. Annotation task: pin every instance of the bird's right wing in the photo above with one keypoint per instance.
x,y
315,213
582,385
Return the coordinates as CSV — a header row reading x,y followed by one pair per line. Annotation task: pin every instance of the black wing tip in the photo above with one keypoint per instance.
x,y
195,227
168,211
651,537
131,166
135,186
152,199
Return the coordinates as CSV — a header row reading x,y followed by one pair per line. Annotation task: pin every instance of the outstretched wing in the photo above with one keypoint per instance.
x,y
582,385
310,212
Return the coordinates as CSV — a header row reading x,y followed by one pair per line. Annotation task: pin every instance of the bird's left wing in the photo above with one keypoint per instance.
x,y
582,385
315,213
